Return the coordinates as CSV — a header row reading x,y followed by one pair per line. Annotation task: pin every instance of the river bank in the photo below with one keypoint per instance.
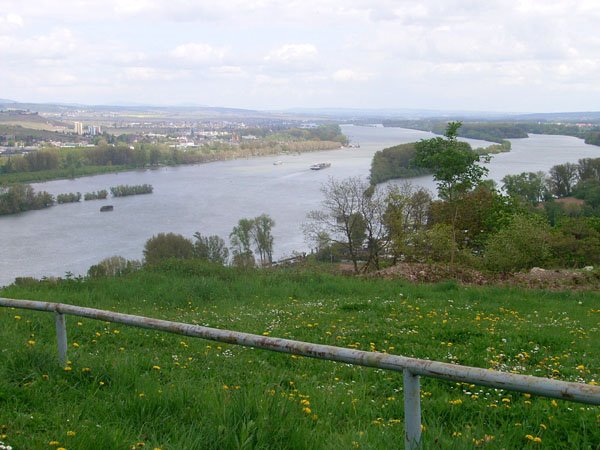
x,y
211,198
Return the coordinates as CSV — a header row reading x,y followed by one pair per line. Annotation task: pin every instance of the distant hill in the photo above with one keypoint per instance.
x,y
585,116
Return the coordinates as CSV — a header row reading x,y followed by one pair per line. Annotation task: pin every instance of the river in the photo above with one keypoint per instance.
x,y
211,198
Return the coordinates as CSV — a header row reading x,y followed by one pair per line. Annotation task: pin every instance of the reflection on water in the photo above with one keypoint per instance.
x,y
211,198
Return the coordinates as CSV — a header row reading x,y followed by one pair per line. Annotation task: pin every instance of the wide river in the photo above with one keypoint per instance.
x,y
211,198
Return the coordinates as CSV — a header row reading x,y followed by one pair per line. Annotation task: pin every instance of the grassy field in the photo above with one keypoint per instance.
x,y
130,388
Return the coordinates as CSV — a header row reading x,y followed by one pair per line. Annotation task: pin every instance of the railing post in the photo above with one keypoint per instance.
x,y
412,411
61,338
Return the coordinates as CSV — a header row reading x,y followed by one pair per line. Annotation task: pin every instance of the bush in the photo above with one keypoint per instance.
x,y
98,195
124,190
113,266
68,198
523,244
165,246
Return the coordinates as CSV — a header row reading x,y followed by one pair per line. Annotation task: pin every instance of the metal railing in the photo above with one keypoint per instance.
x,y
412,368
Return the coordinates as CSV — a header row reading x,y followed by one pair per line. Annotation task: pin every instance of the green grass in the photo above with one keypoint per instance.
x,y
128,386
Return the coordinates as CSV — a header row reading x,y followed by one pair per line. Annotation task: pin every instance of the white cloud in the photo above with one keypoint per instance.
x,y
58,44
262,50
293,53
198,53
10,22
351,75
151,73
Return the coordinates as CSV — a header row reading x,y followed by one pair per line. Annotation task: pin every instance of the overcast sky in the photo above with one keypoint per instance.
x,y
486,55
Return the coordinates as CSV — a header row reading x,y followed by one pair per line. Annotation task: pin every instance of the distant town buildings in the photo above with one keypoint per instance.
x,y
92,130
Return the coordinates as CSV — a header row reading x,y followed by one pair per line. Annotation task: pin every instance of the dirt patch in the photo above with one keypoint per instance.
x,y
536,278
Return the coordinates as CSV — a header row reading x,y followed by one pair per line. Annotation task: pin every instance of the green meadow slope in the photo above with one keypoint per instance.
x,y
131,388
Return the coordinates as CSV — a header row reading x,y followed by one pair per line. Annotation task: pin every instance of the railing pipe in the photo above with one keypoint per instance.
x,y
576,392
412,411
61,337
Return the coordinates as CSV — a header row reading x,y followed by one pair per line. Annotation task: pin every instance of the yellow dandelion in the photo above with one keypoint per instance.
x,y
71,433
67,368
307,410
31,342
155,367
17,317
53,443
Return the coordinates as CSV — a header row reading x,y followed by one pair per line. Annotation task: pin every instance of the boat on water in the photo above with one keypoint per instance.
x,y
106,208
320,166
278,163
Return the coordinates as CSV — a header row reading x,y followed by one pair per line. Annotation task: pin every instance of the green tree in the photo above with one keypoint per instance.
x,y
407,213
455,166
456,169
576,242
211,248
562,179
529,186
241,243
523,244
167,245
263,238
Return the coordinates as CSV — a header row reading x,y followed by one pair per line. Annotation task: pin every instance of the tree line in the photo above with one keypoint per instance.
x,y
472,223
22,197
500,131
251,245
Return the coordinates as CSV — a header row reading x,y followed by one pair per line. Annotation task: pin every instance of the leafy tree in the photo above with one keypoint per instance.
x,y
407,212
241,240
165,246
476,215
588,169
112,267
575,242
562,179
523,244
529,186
589,191
455,166
263,238
211,248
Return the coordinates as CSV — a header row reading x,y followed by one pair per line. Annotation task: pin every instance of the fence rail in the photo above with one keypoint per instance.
x,y
412,368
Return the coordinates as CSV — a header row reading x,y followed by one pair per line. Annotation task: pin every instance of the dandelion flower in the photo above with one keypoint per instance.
x,y
71,433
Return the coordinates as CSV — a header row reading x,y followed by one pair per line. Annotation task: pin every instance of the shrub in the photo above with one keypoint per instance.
x,y
113,266
164,246
523,244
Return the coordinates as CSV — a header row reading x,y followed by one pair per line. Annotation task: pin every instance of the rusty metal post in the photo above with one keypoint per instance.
x,y
412,411
61,338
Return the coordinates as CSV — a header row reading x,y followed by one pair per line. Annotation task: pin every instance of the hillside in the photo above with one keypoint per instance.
x,y
127,388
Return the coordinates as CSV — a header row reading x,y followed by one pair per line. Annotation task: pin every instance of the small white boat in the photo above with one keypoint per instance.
x,y
278,163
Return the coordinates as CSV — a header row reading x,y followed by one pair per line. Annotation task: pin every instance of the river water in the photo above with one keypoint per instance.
x,y
211,198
